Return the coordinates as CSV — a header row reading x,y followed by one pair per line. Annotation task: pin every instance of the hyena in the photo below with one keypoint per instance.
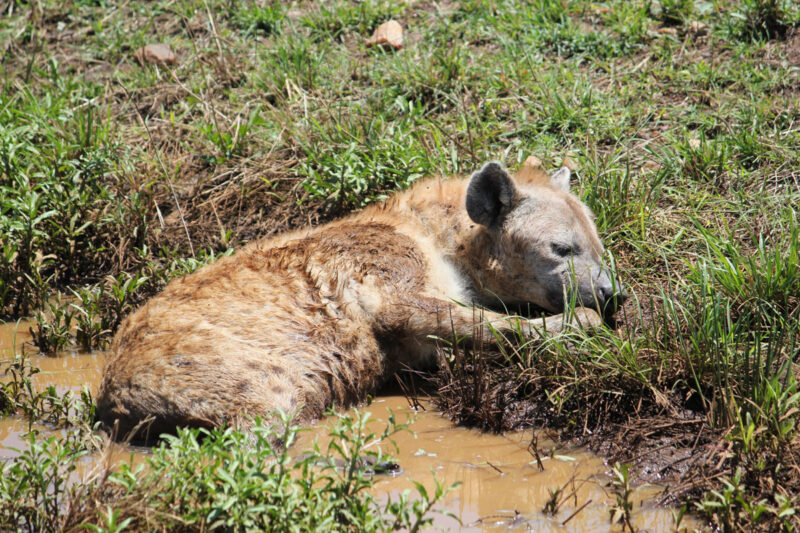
x,y
323,316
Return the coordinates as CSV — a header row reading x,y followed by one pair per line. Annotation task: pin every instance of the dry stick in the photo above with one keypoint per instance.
x,y
161,164
469,130
490,464
533,448
213,29
578,510
574,493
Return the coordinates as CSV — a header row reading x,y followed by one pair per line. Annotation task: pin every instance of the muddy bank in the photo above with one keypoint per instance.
x,y
659,427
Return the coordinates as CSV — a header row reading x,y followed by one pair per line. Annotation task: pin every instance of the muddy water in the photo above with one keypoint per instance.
x,y
502,488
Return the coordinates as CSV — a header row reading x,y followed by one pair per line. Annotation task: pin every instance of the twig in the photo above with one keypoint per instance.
x,y
578,510
490,464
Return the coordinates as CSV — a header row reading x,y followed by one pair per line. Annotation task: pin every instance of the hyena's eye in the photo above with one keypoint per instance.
x,y
563,250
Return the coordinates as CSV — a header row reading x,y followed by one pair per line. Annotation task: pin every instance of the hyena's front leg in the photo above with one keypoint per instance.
x,y
579,318
421,317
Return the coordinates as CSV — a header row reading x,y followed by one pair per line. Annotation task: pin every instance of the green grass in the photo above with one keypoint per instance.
x,y
679,115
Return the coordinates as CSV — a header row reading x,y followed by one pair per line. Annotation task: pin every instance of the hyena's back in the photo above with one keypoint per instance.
x,y
272,327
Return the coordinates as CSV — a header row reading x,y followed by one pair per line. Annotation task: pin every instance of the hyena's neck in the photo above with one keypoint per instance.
x,y
437,210
479,266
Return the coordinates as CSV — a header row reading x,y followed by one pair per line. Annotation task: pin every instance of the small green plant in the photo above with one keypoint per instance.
x,y
109,522
705,160
257,20
766,19
725,505
378,157
331,20
231,140
100,308
675,12
53,330
298,63
731,505
19,395
34,486
621,512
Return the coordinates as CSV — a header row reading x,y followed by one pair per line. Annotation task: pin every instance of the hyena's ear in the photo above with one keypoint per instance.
x,y
490,194
560,180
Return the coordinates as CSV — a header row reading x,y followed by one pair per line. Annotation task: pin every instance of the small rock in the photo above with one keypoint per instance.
x,y
160,54
698,28
389,33
532,171
533,162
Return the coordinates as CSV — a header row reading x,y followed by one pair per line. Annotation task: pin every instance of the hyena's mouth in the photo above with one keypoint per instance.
x,y
615,302
606,302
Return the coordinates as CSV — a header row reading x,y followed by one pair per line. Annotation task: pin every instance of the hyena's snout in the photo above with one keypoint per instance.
x,y
598,289
611,297
608,293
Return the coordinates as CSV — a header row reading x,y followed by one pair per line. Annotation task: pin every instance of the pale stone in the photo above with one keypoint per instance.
x,y
155,53
698,28
389,33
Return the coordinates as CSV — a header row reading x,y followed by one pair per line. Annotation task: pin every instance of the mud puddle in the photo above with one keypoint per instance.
x,y
502,488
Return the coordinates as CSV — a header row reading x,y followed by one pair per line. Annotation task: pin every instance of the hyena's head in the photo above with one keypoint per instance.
x,y
542,242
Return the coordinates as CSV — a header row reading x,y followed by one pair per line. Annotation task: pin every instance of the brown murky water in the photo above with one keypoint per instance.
x,y
501,487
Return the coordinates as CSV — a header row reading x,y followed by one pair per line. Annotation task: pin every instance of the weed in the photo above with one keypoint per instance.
x,y
331,20
34,485
260,20
21,396
621,512
373,156
53,330
674,12
705,160
766,19
553,503
232,142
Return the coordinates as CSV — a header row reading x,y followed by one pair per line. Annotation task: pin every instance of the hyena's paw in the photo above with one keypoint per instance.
x,y
584,318
581,318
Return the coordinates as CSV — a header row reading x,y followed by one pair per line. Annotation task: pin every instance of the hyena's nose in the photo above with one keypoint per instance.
x,y
611,298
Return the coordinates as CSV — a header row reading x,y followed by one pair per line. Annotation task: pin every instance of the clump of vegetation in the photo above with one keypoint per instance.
x,y
260,20
19,395
674,12
768,19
